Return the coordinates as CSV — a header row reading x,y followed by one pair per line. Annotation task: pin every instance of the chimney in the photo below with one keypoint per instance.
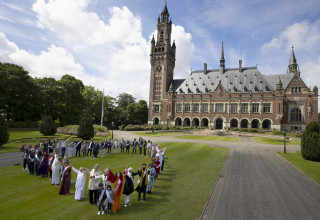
x,y
205,69
240,66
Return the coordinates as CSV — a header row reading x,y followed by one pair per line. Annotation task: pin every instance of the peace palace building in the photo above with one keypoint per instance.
x,y
227,97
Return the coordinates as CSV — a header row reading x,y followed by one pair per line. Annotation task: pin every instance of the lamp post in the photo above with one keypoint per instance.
x,y
112,124
284,141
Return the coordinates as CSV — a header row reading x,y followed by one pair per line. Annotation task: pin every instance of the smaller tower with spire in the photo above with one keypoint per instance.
x,y
222,60
293,66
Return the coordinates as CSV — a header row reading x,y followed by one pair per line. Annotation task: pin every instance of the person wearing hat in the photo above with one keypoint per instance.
x,y
65,178
128,186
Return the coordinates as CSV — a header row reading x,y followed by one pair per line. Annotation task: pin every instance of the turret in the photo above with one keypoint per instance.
x,y
279,84
152,44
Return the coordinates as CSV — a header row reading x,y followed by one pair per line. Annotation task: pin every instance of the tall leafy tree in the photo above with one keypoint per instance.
x,y
124,99
141,112
92,103
19,97
73,101
51,97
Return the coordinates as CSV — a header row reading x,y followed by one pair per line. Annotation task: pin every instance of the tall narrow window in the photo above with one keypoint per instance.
x,y
296,115
279,109
156,108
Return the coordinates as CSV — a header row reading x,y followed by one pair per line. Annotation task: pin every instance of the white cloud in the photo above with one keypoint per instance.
x,y
54,62
184,51
114,52
13,7
304,36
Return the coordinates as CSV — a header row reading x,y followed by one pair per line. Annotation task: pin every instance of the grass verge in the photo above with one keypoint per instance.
x,y
311,168
275,141
180,192
208,138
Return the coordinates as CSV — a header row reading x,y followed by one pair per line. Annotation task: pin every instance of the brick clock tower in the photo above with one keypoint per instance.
x,y
162,60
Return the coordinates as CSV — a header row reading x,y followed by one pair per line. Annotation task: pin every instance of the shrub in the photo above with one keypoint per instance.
x,y
310,142
85,130
4,134
48,126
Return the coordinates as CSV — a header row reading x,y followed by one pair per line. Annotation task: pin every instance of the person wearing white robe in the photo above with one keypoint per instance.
x,y
55,170
70,149
80,183
116,146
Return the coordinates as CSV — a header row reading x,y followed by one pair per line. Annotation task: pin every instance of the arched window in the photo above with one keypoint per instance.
x,y
296,114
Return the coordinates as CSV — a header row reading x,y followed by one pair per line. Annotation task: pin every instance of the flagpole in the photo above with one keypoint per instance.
x,y
102,110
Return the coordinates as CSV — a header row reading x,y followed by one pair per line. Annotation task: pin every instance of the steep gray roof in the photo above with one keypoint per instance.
x,y
250,79
285,79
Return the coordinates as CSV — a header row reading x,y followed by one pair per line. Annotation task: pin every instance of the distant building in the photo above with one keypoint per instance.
x,y
227,97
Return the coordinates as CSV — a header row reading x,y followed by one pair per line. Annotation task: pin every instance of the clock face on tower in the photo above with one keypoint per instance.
x,y
158,68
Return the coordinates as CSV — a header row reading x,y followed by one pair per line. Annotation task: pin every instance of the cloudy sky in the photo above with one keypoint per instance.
x,y
106,43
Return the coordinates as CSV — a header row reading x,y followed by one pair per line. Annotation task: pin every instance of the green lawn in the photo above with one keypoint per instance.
x,y
180,192
311,168
156,134
208,138
275,141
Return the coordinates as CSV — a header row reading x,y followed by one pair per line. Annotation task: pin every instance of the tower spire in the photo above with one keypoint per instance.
x,y
293,66
222,60
165,13
292,58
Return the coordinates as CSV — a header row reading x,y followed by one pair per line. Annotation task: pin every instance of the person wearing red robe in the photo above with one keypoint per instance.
x,y
158,167
65,178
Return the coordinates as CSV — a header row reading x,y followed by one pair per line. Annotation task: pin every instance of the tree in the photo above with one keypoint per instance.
x,y
124,99
141,112
4,134
51,96
86,130
48,126
310,142
92,103
19,97
73,101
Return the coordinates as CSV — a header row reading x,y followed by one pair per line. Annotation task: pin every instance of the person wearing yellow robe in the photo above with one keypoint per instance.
x,y
142,181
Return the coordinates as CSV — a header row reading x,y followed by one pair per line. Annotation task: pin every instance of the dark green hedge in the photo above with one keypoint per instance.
x,y
86,130
310,142
48,126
